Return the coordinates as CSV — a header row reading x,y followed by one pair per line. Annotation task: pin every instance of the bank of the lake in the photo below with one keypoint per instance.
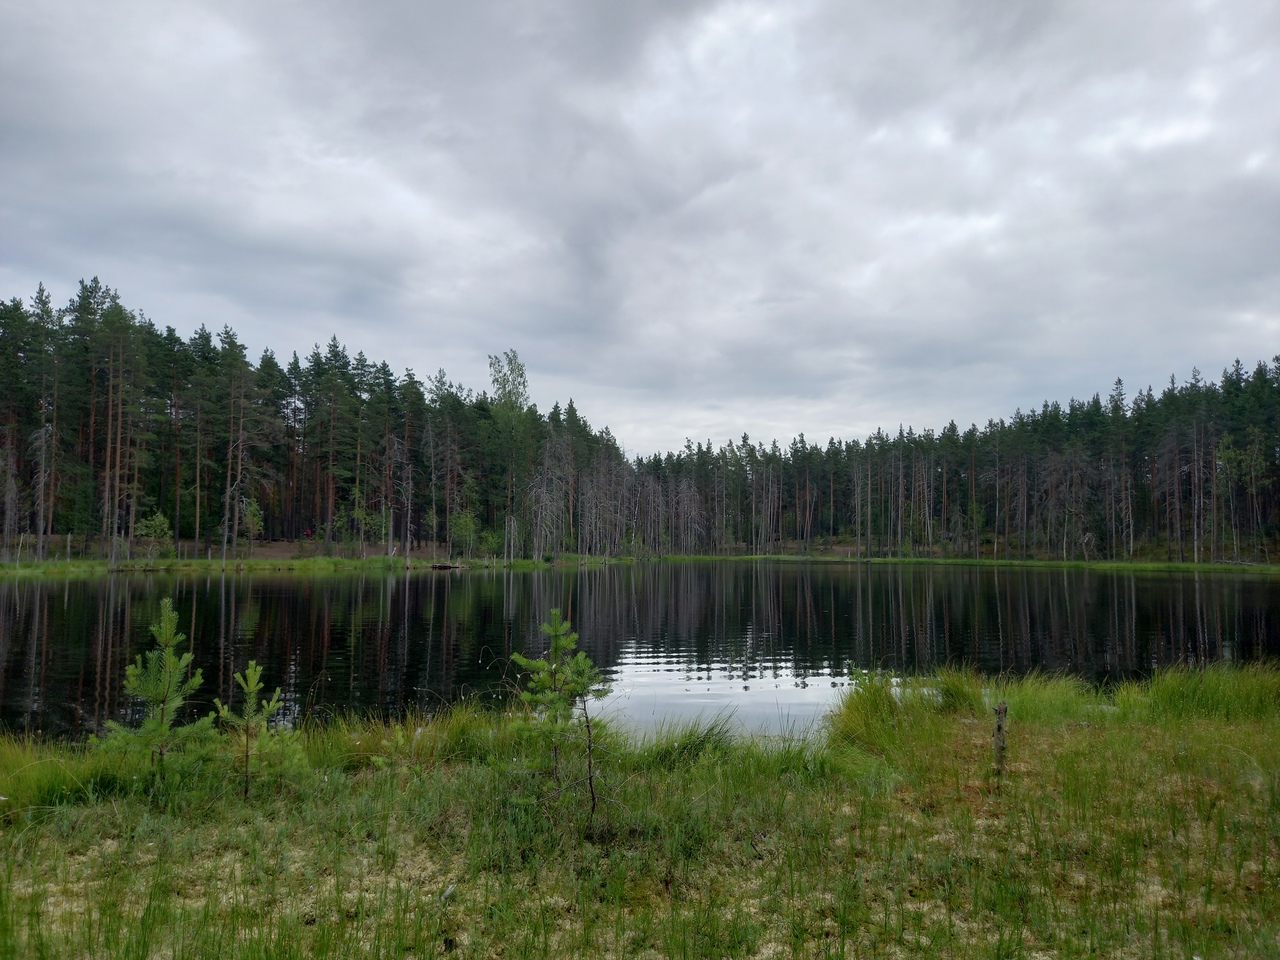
x,y
1141,821
317,565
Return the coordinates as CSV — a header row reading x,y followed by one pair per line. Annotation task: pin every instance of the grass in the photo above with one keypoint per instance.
x,y
1138,822
316,565
1250,692
833,554
302,565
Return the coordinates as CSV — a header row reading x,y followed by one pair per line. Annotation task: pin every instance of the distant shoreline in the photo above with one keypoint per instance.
x,y
313,565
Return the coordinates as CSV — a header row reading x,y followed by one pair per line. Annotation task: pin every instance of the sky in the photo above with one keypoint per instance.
x,y
695,219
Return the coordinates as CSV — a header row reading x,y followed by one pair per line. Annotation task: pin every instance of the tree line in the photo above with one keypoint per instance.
x,y
117,433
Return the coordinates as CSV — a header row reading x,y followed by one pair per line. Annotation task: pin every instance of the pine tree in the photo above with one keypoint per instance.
x,y
563,681
163,680
250,726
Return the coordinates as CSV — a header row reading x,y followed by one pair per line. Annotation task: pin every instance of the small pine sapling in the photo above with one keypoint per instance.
x,y
163,680
563,681
249,726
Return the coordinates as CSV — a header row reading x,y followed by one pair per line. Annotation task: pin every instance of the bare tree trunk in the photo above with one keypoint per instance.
x,y
226,487
116,494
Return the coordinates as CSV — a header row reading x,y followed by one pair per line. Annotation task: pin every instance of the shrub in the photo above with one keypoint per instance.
x,y
156,536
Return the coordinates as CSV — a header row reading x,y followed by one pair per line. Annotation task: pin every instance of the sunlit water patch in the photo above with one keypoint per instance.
x,y
648,690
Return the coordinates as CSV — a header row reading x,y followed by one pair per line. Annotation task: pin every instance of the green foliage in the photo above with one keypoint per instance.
x,y
510,382
249,726
464,532
491,543
163,680
557,685
564,679
251,519
155,527
156,535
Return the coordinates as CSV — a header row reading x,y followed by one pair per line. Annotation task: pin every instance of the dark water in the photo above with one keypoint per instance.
x,y
772,642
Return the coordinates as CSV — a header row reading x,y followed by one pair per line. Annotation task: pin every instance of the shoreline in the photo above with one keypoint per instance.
x,y
55,569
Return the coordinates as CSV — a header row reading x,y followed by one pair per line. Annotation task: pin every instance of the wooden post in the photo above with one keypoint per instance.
x,y
999,743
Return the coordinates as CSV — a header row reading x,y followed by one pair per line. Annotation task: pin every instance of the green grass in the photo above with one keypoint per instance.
x,y
317,565
826,555
302,565
1249,692
1138,822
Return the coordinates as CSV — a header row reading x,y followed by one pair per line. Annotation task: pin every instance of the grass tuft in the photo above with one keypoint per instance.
x,y
1047,699
673,746
960,690
1221,691
867,717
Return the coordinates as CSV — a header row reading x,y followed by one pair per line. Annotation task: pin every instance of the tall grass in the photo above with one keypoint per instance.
x,y
869,716
1223,692
35,775
959,690
1047,698
675,745
450,835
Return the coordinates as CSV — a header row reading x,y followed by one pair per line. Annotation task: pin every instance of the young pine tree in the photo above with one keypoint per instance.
x,y
563,681
163,680
250,726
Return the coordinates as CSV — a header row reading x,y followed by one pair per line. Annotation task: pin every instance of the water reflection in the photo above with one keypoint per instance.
x,y
771,642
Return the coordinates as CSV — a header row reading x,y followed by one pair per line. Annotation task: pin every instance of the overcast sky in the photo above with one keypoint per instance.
x,y
696,219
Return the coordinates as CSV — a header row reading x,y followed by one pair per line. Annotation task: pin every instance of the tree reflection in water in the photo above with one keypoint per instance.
x,y
674,632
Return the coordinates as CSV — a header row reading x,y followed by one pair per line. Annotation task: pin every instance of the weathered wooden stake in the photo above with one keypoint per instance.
x,y
999,743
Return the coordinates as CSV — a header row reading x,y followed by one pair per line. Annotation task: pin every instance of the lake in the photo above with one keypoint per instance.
x,y
770,642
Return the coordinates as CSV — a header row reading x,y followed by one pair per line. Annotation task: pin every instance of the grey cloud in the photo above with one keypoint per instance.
x,y
694,218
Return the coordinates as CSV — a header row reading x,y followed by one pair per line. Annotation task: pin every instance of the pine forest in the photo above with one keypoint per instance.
x,y
119,433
